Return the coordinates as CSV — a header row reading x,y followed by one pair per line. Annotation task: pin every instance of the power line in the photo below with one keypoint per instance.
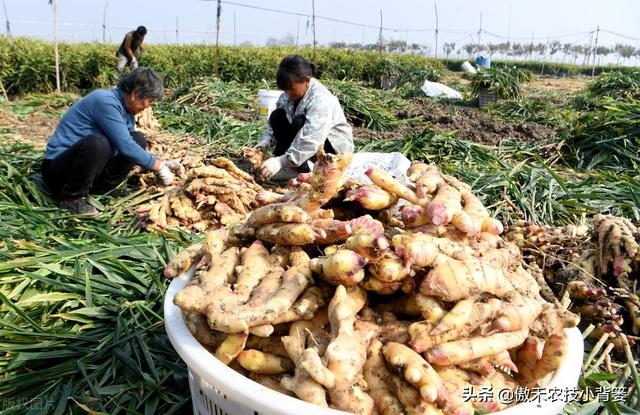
x,y
620,34
331,19
534,38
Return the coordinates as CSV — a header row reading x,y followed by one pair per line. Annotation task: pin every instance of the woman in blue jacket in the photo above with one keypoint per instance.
x,y
95,144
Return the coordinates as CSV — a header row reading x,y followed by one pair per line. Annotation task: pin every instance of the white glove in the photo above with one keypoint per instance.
x,y
175,166
164,174
134,63
264,143
270,167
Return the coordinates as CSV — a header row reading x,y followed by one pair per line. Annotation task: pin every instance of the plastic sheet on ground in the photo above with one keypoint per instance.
x,y
395,164
438,90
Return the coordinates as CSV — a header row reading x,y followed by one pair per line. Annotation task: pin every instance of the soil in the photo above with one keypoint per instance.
x,y
568,85
35,128
474,125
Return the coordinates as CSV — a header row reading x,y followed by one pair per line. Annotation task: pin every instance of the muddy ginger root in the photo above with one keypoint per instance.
x,y
453,280
415,370
371,197
263,363
347,352
277,212
290,233
295,280
183,261
464,318
376,375
368,246
391,185
343,267
458,351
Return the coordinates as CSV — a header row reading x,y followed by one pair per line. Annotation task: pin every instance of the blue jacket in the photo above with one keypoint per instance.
x,y
101,112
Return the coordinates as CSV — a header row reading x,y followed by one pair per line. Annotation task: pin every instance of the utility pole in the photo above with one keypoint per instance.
x,y
6,16
531,46
380,35
104,22
313,23
54,3
298,34
508,33
546,48
436,7
177,32
235,33
595,50
588,54
218,13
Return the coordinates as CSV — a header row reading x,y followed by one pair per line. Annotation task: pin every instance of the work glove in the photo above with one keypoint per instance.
x,y
270,167
134,63
264,143
176,167
164,174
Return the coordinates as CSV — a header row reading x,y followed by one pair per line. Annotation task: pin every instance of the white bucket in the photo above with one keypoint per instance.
x,y
467,67
216,389
267,99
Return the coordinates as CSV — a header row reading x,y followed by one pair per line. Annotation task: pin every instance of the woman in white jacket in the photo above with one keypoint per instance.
x,y
307,116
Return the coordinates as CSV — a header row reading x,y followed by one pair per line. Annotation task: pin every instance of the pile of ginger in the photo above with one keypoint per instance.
x,y
378,298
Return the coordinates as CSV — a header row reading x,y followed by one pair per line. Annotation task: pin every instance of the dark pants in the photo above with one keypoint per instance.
x,y
87,166
284,132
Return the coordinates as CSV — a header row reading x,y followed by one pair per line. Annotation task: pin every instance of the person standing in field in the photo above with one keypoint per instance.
x,y
95,144
307,117
126,53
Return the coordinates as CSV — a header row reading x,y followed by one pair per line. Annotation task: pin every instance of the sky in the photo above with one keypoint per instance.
x,y
570,21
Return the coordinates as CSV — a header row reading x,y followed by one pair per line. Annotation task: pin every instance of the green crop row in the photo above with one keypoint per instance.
x,y
548,68
28,65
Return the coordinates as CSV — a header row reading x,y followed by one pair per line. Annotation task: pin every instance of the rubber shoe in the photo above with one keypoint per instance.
x,y
79,206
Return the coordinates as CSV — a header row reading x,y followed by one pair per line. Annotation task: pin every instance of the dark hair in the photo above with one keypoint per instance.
x,y
293,68
145,81
141,30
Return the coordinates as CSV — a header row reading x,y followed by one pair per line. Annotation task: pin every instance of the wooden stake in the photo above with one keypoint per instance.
x,y
436,7
313,22
54,3
380,34
4,91
218,13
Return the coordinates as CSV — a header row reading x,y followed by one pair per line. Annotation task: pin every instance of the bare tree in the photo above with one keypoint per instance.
x,y
624,51
448,48
470,48
602,51
554,47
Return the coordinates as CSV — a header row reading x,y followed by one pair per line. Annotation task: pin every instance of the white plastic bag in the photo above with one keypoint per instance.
x,y
395,164
438,90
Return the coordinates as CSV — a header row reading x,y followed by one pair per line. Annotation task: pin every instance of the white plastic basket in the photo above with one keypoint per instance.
x,y
219,390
